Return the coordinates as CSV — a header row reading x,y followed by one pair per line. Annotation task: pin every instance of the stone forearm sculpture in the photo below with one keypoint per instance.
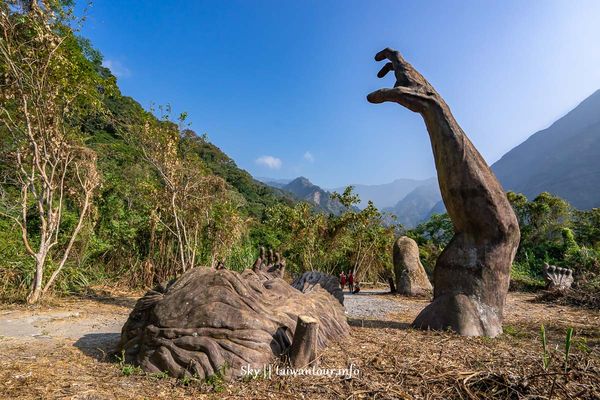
x,y
471,275
211,321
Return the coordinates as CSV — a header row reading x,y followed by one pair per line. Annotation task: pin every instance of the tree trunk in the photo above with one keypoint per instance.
x,y
36,286
304,345
70,245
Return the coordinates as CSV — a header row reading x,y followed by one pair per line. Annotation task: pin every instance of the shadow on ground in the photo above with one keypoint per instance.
x,y
100,346
376,323
121,301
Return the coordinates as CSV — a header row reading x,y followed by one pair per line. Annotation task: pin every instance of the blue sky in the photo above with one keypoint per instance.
x,y
280,86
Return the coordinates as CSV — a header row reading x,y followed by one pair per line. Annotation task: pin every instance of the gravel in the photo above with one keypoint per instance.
x,y
370,304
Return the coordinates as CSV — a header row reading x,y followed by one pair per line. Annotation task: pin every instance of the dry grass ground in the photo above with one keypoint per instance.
x,y
393,361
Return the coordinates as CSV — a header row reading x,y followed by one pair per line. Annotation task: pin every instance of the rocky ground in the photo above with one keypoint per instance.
x,y
374,304
63,350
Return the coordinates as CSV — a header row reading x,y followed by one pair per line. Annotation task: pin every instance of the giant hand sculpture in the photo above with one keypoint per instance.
x,y
471,275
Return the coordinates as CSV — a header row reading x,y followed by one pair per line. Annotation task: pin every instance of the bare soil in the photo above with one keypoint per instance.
x,y
65,349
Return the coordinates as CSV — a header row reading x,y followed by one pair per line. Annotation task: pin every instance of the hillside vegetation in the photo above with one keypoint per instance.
x,y
97,189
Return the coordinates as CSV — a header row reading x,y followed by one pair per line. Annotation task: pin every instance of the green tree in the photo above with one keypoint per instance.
x,y
189,193
47,87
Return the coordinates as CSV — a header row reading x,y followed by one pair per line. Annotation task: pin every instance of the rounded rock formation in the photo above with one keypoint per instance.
x,y
411,278
217,321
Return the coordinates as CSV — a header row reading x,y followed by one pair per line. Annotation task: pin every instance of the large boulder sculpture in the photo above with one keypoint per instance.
x,y
471,276
217,321
411,278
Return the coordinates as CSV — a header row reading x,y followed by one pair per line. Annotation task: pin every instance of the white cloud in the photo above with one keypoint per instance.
x,y
117,68
309,157
269,162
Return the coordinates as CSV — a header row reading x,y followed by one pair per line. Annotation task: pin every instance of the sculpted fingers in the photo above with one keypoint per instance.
x,y
406,97
382,95
391,54
386,68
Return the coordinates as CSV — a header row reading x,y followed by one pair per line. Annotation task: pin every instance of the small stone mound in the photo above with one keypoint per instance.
x,y
411,278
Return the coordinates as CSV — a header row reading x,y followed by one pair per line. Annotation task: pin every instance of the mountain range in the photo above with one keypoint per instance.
x,y
563,159
384,195
417,205
276,183
303,189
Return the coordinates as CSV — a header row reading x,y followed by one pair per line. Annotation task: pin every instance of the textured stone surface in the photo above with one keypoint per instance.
x,y
210,321
558,278
313,280
472,274
411,278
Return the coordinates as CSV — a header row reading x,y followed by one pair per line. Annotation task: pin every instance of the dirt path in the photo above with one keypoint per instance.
x,y
372,304
96,322
104,317
61,351
91,325
59,324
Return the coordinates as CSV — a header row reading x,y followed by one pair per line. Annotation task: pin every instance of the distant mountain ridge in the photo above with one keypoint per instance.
x,y
276,183
258,195
563,159
303,189
386,194
417,205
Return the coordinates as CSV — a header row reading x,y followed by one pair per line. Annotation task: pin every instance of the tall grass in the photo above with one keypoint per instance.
x,y
545,353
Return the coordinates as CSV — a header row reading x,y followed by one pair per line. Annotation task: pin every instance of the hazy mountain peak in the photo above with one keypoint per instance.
x,y
303,189
417,205
386,194
561,159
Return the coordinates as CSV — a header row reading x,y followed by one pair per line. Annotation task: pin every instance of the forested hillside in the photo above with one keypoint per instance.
x,y
258,195
95,186
301,189
305,190
97,189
